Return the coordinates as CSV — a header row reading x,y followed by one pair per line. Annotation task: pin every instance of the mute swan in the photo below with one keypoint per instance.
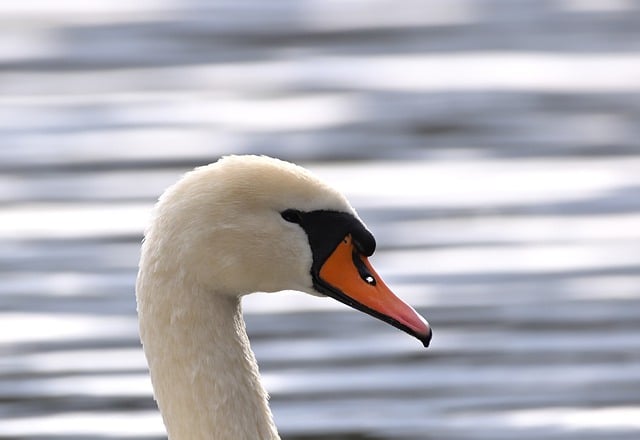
x,y
243,224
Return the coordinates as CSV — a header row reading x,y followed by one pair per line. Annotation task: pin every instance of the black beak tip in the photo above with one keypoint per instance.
x,y
426,339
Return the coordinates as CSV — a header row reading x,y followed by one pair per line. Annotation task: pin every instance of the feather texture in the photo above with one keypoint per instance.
x,y
216,235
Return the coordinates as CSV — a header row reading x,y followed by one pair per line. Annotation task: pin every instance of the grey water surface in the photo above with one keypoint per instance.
x,y
491,146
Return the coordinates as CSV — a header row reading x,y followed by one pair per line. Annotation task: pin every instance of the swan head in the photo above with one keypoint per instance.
x,y
256,224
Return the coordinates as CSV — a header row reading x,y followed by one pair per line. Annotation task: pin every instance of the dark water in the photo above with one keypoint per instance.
x,y
491,146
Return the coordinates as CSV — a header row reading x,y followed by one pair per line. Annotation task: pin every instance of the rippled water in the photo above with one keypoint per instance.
x,y
491,146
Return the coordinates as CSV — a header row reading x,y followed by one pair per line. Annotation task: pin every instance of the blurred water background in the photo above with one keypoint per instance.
x,y
491,146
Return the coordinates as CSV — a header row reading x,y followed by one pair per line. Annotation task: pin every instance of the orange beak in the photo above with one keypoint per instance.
x,y
348,276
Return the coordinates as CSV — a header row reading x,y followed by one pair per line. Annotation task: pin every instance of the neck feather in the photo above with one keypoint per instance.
x,y
204,374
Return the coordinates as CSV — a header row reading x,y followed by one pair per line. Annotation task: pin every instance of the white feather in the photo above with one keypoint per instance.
x,y
216,235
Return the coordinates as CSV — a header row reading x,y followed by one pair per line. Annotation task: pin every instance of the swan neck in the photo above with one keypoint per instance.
x,y
204,373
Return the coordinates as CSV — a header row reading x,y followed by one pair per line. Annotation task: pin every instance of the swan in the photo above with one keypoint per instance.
x,y
243,224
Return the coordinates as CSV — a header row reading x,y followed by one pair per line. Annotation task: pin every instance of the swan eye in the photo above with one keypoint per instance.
x,y
292,215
